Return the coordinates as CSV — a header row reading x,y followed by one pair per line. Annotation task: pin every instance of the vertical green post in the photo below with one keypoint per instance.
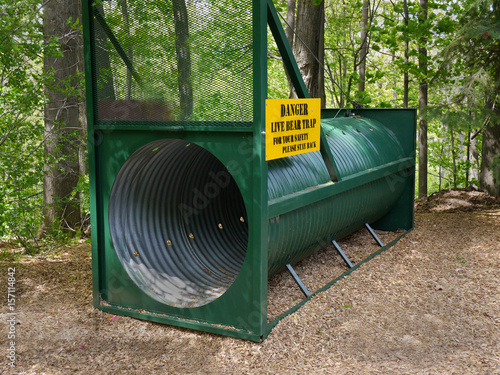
x,y
258,229
89,89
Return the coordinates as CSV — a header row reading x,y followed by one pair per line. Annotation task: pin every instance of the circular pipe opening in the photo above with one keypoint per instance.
x,y
178,223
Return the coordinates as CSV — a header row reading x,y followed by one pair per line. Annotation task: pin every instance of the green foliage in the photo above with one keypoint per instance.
x,y
22,132
277,83
462,39
81,193
21,119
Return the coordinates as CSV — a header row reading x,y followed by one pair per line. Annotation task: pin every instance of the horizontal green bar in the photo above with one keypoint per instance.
x,y
179,128
279,206
180,322
176,126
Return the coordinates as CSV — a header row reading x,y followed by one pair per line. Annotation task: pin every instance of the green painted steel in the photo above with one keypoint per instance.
x,y
149,152
118,125
179,224
358,145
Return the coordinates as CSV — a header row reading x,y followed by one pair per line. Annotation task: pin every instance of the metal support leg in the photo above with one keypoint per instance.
x,y
346,259
374,235
298,280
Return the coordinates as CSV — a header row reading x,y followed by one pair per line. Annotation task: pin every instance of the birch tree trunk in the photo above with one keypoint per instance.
x,y
406,79
363,50
422,103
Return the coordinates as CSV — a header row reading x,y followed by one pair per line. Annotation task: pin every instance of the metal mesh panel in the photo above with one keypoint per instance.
x,y
173,60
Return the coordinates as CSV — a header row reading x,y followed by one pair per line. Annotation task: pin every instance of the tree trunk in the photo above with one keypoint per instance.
x,y
491,147
321,57
62,123
441,170
453,157
290,20
394,84
307,46
422,104
491,143
130,50
83,148
105,79
289,31
474,160
363,50
467,160
406,79
183,54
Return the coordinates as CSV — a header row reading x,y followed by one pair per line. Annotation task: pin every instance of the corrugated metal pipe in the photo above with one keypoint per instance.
x,y
178,220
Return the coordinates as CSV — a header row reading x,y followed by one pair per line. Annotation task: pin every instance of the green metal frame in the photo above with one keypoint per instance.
x,y
403,123
241,311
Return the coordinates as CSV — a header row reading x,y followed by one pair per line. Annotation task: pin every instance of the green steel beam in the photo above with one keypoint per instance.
x,y
302,198
296,78
183,322
99,17
89,88
258,225
178,127
326,153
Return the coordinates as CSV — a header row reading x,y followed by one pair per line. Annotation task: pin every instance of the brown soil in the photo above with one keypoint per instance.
x,y
428,305
460,200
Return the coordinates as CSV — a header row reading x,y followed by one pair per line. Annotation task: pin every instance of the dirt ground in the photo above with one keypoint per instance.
x,y
428,305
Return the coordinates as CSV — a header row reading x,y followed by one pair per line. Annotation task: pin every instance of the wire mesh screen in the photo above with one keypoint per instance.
x,y
173,60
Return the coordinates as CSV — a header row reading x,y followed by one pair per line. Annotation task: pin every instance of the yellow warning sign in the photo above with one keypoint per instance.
x,y
292,127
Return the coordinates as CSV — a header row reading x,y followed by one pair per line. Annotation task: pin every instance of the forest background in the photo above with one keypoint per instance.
x,y
440,56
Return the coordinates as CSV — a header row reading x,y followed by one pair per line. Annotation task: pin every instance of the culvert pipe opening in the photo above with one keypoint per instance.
x,y
178,223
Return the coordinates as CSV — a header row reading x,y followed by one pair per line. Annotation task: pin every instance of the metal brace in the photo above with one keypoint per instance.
x,y
298,280
346,259
374,235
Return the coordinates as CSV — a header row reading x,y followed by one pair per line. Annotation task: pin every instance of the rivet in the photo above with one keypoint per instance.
x,y
220,226
242,220
169,243
136,253
191,235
